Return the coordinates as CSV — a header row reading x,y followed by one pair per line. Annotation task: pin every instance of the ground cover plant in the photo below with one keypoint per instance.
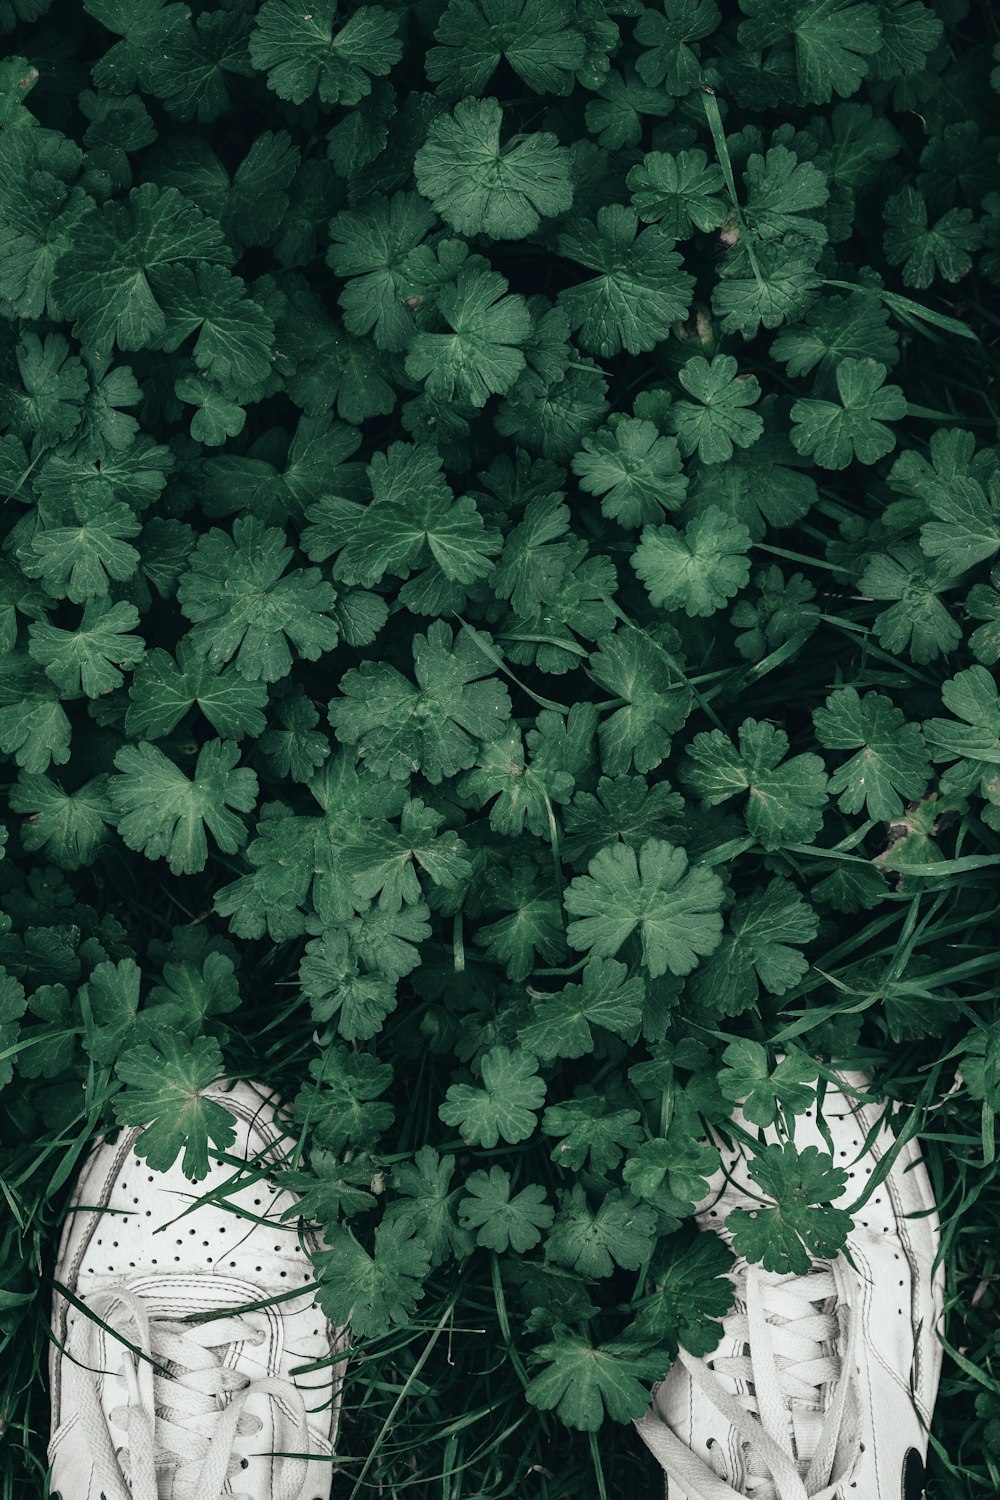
x,y
500,614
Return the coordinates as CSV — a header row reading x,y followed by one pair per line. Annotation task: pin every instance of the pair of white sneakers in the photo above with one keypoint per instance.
x,y
821,1388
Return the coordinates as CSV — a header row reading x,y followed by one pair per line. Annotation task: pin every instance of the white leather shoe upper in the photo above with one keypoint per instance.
x,y
793,1333
130,1253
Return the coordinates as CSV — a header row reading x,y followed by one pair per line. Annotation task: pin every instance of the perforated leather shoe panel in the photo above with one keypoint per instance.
x,y
899,1307
128,1223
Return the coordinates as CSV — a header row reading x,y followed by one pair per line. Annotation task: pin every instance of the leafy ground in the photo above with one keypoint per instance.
x,y
499,618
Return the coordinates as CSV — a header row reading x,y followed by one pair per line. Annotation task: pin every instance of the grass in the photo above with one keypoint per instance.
x,y
436,1411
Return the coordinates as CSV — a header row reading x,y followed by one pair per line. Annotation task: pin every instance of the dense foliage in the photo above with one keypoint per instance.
x,y
499,626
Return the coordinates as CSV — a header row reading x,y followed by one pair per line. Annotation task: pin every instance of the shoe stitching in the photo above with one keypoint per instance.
x,y
237,1107
71,1279
907,1247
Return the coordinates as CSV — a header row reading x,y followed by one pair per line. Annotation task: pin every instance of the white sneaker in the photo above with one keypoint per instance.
x,y
822,1385
230,1402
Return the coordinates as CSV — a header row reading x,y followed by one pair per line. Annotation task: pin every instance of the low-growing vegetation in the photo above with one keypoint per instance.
x,y
499,625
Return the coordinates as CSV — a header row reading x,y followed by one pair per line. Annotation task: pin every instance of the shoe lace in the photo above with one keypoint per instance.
x,y
791,1449
182,1426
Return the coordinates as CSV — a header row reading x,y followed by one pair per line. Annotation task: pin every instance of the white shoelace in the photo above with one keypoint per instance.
x,y
180,1434
788,1364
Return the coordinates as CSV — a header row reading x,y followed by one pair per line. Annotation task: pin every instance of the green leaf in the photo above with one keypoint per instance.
x,y
107,281
670,58
640,290
44,405
927,251
891,761
785,801
796,1224
561,1024
551,415
480,356
167,1078
537,37
331,1189
833,40
80,562
12,1008
780,189
427,1203
783,609
717,420
584,1382
329,975
164,814
920,623
693,1292
675,908
187,70
246,607
199,989
69,826
346,1109
34,727
777,289
368,244
434,726
673,1173
480,187
17,79
593,1241
369,1293
680,193
974,744
535,556
112,998
235,335
163,690
634,468
761,948
88,658
302,53
524,793
967,529
504,1107
384,860
297,748
412,521
834,329
765,486
983,603
698,569
656,702
500,1221
748,1079
217,417
835,433
143,25
588,1130
615,117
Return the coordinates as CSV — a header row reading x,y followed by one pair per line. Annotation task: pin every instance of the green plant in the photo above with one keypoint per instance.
x,y
498,638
